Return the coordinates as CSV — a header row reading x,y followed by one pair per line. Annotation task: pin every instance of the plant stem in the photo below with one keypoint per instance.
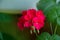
x,y
35,33
51,28
55,30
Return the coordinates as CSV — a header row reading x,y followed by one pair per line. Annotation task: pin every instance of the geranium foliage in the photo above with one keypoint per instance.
x,y
51,9
47,36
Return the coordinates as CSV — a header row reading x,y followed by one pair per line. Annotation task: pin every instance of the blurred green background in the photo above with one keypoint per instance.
x,y
8,25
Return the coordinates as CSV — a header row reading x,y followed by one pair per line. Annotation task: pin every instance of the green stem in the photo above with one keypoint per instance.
x,y
55,30
51,28
35,32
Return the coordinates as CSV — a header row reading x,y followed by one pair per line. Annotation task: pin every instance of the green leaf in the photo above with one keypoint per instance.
x,y
58,21
44,36
55,37
45,4
4,36
47,36
51,9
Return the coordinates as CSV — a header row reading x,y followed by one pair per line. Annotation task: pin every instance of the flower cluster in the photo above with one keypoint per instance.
x,y
31,18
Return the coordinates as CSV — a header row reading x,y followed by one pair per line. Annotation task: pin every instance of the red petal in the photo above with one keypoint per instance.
x,y
40,14
26,17
31,13
38,26
24,12
27,24
20,26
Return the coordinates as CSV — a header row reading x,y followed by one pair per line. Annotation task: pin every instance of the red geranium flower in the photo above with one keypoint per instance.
x,y
31,18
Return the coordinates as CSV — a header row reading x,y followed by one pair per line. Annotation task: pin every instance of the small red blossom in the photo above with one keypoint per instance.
x,y
31,18
27,24
38,23
21,22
